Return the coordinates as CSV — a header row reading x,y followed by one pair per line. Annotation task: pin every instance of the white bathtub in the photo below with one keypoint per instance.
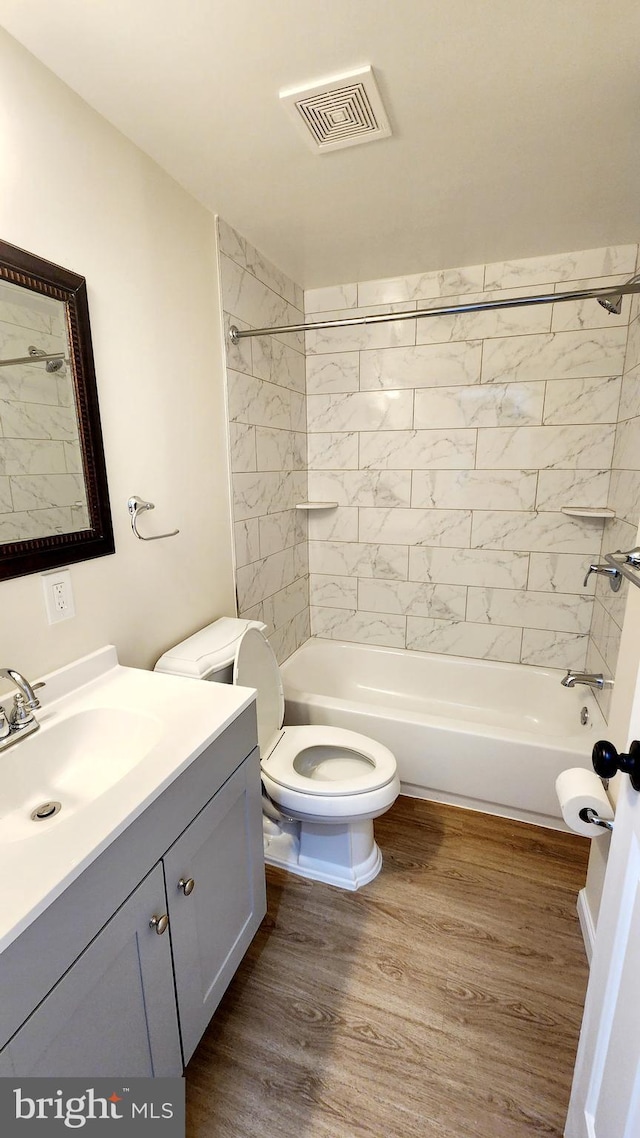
x,y
473,733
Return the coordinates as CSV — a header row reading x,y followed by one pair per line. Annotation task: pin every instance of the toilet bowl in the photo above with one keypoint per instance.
x,y
322,786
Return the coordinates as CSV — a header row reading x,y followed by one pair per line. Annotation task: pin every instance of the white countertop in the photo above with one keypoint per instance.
x,y
181,717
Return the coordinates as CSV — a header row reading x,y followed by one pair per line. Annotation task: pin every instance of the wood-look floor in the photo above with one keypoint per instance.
x,y
444,998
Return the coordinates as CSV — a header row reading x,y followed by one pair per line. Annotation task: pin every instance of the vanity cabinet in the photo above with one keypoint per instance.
x,y
113,1010
6,1066
215,889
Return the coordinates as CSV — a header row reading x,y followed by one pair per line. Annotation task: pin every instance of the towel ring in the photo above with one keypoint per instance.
x,y
138,506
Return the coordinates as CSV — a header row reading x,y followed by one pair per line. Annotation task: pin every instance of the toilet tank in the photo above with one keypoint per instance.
x,y
208,654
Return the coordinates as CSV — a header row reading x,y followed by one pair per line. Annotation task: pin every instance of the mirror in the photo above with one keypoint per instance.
x,y
54,502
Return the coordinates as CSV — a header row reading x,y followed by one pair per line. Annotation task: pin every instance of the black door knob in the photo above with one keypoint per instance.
x,y
606,761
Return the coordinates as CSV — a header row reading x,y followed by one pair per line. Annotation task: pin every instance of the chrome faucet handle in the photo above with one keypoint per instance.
x,y
34,703
614,575
5,726
21,713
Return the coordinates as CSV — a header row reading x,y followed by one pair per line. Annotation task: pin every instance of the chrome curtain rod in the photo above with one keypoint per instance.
x,y
236,334
33,359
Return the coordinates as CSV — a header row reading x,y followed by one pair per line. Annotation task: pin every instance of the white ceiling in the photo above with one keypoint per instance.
x,y
515,121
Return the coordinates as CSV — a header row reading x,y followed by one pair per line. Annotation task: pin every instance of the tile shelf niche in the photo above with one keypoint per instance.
x,y
316,505
596,512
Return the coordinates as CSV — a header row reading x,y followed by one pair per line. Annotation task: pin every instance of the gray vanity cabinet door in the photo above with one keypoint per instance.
x,y
212,926
113,1013
6,1066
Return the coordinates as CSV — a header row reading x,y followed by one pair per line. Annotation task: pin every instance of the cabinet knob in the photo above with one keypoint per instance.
x,y
187,885
160,924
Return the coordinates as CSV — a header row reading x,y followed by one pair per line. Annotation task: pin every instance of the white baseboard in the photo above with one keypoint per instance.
x,y
587,924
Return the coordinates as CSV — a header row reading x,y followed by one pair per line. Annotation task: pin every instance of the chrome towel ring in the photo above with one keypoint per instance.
x,y
138,506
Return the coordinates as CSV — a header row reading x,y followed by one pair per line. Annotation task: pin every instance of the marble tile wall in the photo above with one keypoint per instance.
x,y
41,482
451,445
624,500
268,444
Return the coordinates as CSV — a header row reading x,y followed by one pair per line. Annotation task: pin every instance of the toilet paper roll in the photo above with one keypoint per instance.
x,y
577,789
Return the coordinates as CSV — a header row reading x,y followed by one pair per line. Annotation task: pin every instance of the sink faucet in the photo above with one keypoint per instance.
x,y
24,686
21,721
589,679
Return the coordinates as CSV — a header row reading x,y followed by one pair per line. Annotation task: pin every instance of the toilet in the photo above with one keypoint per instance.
x,y
322,786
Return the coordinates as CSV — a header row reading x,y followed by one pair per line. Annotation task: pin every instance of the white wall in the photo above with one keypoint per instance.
x,y
76,192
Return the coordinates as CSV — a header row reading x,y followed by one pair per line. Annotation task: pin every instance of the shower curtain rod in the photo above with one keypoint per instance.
x,y
613,291
33,359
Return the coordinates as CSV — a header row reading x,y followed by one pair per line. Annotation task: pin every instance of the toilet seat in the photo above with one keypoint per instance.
x,y
328,761
255,666
314,762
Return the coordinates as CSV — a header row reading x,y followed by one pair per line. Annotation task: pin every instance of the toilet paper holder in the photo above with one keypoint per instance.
x,y
587,814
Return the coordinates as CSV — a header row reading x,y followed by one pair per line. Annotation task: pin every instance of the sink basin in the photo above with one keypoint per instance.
x,y
111,740
73,762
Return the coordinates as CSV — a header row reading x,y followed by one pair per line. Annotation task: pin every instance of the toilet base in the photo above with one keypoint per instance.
x,y
343,854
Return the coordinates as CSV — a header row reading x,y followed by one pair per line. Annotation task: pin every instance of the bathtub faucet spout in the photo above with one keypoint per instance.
x,y
589,679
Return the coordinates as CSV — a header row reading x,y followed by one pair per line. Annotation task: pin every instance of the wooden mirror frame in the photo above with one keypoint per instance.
x,y
20,557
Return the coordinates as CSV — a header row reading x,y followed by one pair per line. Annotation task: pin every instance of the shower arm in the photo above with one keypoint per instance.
x,y
613,291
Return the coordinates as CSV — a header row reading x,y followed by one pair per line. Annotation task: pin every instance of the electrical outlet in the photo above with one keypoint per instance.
x,y
58,595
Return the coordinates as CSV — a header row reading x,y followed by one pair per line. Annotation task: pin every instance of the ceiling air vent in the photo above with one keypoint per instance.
x,y
344,110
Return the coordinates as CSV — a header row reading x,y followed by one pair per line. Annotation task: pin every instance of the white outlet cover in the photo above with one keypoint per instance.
x,y
60,578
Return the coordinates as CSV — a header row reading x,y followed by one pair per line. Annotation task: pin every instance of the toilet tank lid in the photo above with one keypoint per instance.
x,y
208,650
